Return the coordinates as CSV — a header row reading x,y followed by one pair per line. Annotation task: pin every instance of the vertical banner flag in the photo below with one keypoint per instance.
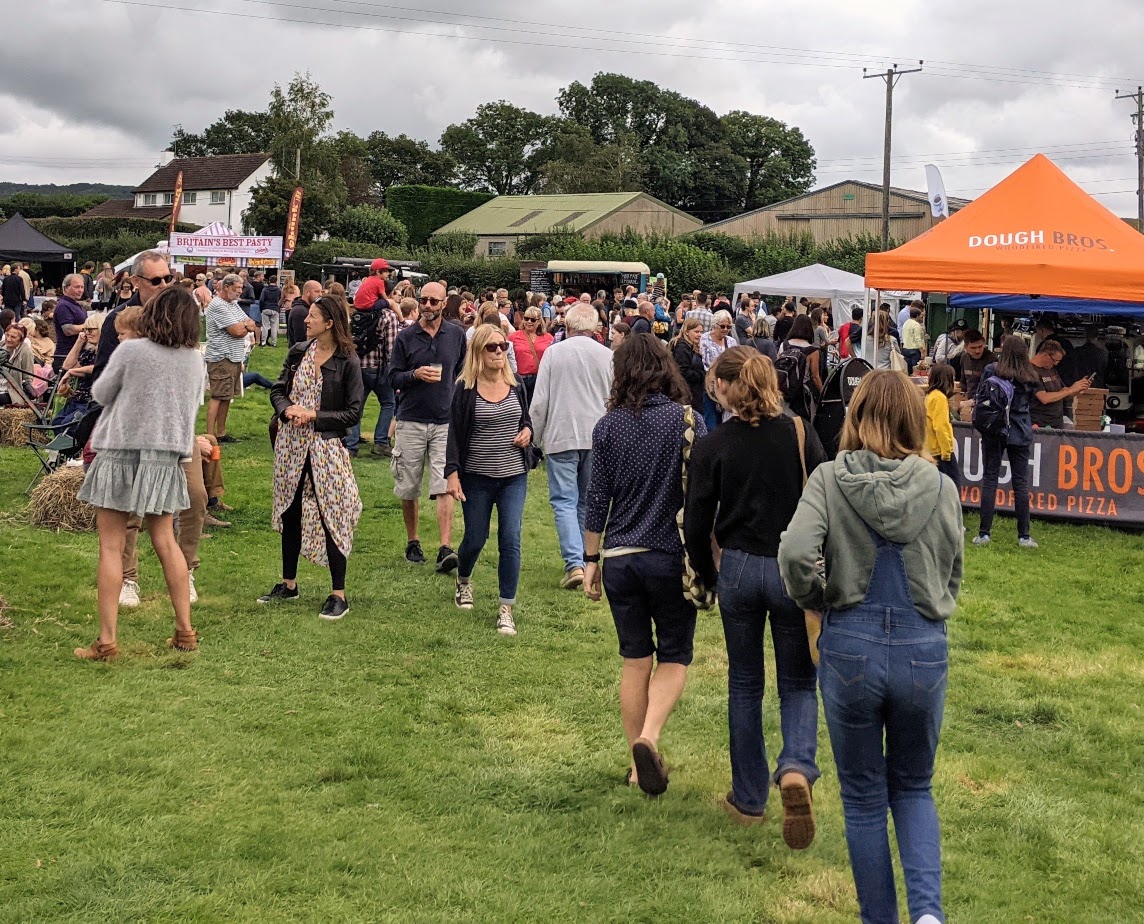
x,y
176,204
293,217
939,204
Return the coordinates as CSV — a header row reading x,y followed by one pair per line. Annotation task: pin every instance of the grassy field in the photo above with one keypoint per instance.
x,y
410,765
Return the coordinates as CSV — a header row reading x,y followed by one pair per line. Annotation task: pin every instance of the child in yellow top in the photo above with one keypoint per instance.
x,y
939,430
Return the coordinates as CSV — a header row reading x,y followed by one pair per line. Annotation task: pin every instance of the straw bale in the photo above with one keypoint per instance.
x,y
54,503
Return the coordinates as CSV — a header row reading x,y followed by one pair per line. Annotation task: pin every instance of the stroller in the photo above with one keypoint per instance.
x,y
835,400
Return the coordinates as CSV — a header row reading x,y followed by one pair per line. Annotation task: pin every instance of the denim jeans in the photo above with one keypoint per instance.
x,y
749,589
912,358
569,474
992,450
481,494
712,414
376,382
883,672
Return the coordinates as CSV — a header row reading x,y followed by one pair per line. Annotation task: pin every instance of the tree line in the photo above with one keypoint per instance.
x,y
615,134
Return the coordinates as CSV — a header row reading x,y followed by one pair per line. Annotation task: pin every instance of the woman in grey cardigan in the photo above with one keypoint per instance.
x,y
150,392
889,526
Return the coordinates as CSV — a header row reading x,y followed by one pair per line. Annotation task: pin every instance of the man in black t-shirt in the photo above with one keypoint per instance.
x,y
971,362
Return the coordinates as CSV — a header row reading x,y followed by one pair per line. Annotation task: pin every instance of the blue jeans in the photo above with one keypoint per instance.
x,y
883,673
374,381
481,494
749,589
712,414
569,474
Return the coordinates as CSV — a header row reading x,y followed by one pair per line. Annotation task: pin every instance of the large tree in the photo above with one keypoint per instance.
x,y
779,160
499,149
405,161
237,132
296,120
576,163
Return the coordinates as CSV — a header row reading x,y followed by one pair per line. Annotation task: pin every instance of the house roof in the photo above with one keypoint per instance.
x,y
520,215
955,202
226,171
125,208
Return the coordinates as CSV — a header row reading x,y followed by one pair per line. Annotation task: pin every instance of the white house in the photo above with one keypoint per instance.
x,y
215,189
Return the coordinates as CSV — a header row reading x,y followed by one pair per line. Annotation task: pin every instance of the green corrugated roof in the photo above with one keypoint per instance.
x,y
511,215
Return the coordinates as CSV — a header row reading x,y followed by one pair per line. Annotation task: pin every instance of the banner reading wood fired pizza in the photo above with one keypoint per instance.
x,y
1073,475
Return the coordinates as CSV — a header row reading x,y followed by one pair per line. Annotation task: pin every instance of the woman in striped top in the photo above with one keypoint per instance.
x,y
488,458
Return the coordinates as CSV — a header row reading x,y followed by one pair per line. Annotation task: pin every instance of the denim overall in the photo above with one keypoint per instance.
x,y
883,672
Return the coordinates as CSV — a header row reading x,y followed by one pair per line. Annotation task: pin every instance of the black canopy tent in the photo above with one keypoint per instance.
x,y
20,241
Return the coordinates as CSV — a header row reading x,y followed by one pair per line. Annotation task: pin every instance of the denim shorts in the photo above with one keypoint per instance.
x,y
645,590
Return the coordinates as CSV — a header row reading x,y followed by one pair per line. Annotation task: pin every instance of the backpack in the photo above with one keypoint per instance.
x,y
844,340
363,329
793,371
994,402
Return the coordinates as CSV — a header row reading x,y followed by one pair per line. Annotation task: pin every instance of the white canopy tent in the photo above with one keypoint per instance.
x,y
815,281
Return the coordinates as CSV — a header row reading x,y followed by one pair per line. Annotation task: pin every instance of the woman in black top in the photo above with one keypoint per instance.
x,y
317,399
745,482
487,461
685,350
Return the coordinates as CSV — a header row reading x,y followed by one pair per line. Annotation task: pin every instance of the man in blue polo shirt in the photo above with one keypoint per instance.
x,y
426,360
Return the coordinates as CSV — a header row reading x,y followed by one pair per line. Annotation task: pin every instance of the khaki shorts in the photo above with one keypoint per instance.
x,y
223,378
412,443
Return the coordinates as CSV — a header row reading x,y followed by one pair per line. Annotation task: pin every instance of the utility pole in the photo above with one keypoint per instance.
x,y
892,76
1138,118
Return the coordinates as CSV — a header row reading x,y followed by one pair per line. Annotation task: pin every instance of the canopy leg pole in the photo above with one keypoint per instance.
x,y
877,317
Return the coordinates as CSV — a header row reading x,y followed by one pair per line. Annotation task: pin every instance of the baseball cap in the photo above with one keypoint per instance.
x,y
379,264
571,300
959,324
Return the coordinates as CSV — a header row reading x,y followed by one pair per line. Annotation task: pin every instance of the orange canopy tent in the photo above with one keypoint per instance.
x,y
1035,233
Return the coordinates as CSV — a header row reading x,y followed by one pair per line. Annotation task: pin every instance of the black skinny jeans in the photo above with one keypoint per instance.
x,y
1019,465
292,538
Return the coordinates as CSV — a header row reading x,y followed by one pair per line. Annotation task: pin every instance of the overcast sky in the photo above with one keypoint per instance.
x,y
91,88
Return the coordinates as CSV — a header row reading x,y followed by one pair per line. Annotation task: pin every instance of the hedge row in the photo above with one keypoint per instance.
x,y
59,228
424,209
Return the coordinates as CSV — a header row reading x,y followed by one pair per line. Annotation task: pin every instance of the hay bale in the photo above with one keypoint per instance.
x,y
12,420
54,503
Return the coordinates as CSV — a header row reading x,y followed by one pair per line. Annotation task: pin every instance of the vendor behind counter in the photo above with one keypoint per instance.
x,y
1089,359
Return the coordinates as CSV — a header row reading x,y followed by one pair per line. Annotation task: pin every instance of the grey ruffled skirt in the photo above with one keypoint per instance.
x,y
141,482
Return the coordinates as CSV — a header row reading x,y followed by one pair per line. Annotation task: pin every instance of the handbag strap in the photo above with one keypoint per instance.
x,y
800,432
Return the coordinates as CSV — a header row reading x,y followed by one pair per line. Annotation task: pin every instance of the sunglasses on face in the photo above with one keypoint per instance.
x,y
723,326
431,302
158,280
501,347
533,320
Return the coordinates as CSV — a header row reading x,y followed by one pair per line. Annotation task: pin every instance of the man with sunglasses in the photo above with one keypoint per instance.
x,y
427,358
151,275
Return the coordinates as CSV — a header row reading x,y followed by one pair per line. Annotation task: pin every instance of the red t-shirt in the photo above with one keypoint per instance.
x,y
526,363
371,289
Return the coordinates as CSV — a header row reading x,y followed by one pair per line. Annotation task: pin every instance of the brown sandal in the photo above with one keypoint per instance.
x,y
650,769
184,641
99,651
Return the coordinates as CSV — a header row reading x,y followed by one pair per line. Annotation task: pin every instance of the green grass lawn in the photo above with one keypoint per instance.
x,y
410,765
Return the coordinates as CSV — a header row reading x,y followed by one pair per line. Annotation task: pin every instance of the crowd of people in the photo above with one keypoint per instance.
x,y
682,468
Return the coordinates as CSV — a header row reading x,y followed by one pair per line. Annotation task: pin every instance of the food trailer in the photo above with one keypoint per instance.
x,y
573,277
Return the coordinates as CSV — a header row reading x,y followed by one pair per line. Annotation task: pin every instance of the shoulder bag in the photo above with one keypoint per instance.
x,y
693,588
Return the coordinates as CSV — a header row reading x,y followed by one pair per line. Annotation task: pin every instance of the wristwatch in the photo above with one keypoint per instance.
x,y
592,559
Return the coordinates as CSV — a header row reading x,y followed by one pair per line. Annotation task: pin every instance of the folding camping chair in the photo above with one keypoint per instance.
x,y
66,443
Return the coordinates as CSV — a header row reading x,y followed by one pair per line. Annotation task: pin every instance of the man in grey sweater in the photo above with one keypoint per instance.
x,y
572,389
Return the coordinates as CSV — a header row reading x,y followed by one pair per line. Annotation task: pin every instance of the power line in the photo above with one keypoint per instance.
x,y
771,54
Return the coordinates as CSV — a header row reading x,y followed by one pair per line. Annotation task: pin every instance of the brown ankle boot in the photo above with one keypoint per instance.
x,y
99,651
184,641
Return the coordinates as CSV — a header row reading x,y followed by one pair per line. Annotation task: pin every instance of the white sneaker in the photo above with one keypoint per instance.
x,y
1028,543
981,540
194,592
505,624
927,919
463,596
129,594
